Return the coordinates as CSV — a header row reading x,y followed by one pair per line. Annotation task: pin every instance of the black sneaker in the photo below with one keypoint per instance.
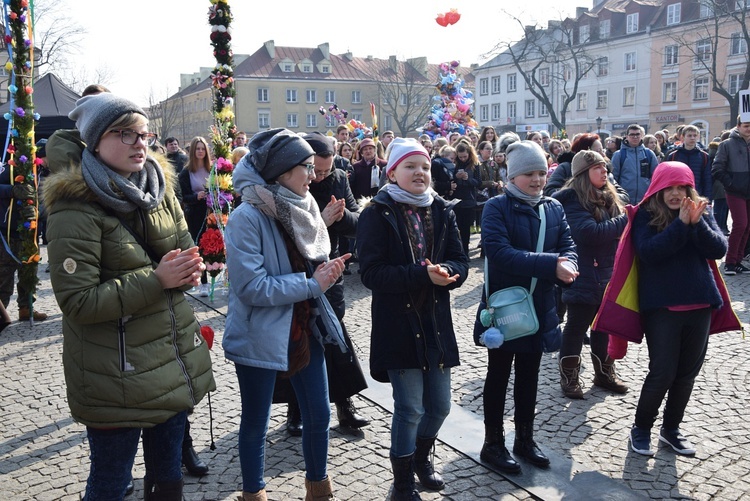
x,y
741,268
677,441
640,441
730,269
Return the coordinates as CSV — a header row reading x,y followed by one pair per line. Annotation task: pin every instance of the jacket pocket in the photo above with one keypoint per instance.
x,y
125,366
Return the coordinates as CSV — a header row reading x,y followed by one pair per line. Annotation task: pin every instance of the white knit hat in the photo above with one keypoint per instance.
x,y
402,148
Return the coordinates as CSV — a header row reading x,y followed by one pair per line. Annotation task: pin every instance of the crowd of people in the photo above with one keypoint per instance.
x,y
123,216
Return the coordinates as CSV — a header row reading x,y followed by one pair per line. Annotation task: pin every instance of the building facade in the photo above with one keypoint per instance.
x,y
657,63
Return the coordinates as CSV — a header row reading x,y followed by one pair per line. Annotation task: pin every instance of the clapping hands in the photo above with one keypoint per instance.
x,y
334,211
691,211
439,275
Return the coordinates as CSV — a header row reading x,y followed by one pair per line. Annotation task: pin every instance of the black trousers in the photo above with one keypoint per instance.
x,y
524,387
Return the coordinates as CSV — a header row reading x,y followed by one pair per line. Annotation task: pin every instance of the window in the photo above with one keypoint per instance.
x,y
703,50
312,120
529,106
356,97
330,96
264,119
484,113
583,33
291,95
673,13
287,68
601,99
701,89
311,96
358,117
543,111
496,112
632,23
604,29
706,10
567,72
669,94
307,68
512,110
325,69
388,122
404,99
740,5
291,120
670,55
602,67
738,44
734,83
484,86
581,100
544,77
628,96
630,61
512,82
496,85
331,121
262,95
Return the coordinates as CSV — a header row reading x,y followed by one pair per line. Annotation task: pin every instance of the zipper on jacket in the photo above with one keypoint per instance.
x,y
173,322
441,242
125,366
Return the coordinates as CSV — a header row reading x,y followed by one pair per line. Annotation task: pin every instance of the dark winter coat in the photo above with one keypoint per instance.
x,y
406,306
700,163
466,189
596,245
510,229
561,173
732,165
361,178
442,171
195,210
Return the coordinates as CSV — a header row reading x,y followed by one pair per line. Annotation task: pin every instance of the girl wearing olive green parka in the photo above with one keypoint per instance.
x,y
132,350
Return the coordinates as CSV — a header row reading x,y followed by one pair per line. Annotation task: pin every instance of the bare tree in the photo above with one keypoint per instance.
x,y
721,31
551,61
57,36
165,115
406,92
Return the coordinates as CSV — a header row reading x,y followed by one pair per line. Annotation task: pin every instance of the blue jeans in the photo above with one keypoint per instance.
x,y
256,392
113,453
421,402
677,343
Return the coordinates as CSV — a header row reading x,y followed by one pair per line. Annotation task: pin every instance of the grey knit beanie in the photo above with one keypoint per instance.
x,y
94,114
276,151
524,157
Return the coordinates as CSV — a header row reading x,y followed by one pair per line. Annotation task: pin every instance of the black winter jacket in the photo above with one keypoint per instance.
x,y
406,306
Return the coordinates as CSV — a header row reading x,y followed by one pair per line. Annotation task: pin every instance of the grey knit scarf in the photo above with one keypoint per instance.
x,y
521,195
141,190
299,216
400,195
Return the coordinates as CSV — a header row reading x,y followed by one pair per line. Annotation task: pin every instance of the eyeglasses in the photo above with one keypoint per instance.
x,y
130,137
310,168
634,134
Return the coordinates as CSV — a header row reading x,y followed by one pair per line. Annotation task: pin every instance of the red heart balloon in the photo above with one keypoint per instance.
x,y
441,20
453,16
208,334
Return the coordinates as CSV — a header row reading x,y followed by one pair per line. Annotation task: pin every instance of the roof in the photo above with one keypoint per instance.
x,y
52,98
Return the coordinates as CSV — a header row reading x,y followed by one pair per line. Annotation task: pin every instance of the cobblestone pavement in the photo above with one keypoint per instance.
x,y
43,454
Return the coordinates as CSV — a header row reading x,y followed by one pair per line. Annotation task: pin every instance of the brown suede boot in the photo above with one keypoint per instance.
x,y
321,490
24,313
570,367
605,376
255,496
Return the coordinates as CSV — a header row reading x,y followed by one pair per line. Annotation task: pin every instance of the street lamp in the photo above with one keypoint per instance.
x,y
598,125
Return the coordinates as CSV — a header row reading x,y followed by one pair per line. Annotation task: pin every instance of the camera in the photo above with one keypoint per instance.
x,y
645,168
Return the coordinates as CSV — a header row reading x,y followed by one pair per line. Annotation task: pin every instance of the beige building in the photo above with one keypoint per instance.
x,y
287,87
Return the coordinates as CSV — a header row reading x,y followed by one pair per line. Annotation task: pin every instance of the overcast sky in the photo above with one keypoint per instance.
x,y
146,44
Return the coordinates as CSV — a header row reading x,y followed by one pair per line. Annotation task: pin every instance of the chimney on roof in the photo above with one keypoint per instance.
x,y
529,29
580,11
368,58
393,64
270,48
419,64
323,48
348,56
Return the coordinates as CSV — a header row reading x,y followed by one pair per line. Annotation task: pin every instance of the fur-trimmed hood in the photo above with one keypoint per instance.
x,y
68,183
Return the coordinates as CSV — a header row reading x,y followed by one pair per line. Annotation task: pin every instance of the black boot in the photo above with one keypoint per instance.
x,y
525,447
193,464
130,487
495,452
428,477
348,416
404,487
293,419
166,491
